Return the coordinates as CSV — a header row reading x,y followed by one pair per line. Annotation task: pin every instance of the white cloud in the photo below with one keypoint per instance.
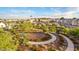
x,y
56,12
23,11
71,12
18,14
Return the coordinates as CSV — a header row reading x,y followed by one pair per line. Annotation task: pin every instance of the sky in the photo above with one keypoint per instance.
x,y
22,12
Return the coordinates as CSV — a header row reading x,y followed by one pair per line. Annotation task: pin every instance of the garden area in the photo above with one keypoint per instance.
x,y
17,38
21,33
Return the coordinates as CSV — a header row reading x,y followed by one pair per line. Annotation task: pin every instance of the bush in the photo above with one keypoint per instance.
x,y
6,42
74,32
52,28
26,26
63,30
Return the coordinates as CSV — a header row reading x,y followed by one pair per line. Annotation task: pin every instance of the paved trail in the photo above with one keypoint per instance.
x,y
70,46
45,42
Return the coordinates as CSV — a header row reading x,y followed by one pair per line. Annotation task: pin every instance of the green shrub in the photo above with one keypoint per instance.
x,y
74,32
6,42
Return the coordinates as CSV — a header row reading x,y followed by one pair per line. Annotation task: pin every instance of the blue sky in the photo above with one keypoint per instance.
x,y
39,11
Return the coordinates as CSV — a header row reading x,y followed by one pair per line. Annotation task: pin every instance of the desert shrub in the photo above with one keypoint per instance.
x,y
6,41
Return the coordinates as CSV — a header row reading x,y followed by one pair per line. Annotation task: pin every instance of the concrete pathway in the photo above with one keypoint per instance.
x,y
45,42
70,46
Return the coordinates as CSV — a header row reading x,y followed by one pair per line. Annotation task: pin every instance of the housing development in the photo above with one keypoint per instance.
x,y
39,34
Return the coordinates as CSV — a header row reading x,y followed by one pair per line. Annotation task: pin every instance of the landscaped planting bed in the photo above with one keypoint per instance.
x,y
37,36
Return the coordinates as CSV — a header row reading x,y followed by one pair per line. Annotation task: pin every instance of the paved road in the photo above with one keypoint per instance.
x,y
45,42
70,46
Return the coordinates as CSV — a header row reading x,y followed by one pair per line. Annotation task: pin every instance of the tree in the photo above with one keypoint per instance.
x,y
61,18
74,18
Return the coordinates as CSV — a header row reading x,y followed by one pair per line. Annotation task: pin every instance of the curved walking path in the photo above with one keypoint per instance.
x,y
70,46
45,42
